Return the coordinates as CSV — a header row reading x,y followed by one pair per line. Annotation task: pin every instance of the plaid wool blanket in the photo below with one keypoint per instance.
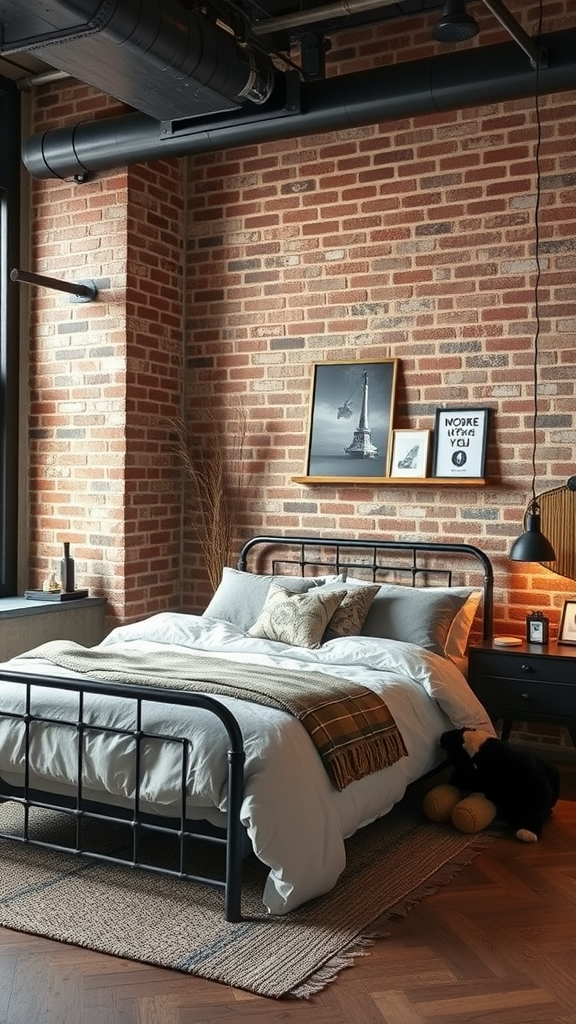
x,y
350,725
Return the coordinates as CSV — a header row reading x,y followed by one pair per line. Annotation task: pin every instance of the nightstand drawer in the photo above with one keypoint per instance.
x,y
517,698
525,667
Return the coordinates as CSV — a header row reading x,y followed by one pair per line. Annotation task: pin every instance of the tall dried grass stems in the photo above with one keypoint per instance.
x,y
212,456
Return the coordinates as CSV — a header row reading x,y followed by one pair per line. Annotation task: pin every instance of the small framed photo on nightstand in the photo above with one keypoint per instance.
x,y
567,630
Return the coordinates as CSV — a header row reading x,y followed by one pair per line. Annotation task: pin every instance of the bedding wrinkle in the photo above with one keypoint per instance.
x,y
350,725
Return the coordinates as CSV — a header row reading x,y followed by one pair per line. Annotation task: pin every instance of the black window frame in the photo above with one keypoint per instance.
x,y
9,333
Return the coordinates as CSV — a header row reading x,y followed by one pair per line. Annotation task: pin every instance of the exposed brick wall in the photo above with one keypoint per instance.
x,y
104,374
152,570
412,240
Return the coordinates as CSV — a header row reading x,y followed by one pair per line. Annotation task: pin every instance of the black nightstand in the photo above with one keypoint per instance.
x,y
532,682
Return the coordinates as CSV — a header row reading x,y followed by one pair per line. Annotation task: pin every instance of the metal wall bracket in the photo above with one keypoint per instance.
x,y
538,57
81,291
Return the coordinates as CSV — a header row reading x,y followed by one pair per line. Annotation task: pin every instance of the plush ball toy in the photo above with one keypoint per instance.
x,y
470,813
492,779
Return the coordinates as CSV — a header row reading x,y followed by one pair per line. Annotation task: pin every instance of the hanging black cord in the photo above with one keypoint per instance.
x,y
534,503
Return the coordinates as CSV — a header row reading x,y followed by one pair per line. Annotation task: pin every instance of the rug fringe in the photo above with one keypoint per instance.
x,y
439,878
361,945
330,970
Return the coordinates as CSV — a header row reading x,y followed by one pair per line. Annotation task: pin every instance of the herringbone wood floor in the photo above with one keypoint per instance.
x,y
497,944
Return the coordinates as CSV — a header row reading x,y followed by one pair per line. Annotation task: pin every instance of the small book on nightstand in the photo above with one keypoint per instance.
x,y
55,595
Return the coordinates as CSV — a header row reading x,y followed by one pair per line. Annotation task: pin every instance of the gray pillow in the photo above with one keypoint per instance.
x,y
413,615
241,596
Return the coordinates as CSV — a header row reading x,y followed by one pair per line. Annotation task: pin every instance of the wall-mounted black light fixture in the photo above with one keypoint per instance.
x,y
532,545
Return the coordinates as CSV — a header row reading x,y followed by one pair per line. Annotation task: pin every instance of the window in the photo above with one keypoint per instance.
x,y
9,385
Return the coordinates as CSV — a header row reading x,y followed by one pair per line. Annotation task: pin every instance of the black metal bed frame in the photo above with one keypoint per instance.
x,y
84,811
337,555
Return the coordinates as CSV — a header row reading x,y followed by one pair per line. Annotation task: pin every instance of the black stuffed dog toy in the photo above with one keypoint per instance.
x,y
492,779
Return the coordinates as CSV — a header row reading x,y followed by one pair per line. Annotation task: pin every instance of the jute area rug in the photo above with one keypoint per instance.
x,y
173,923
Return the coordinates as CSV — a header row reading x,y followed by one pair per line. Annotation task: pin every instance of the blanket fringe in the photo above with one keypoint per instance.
x,y
346,765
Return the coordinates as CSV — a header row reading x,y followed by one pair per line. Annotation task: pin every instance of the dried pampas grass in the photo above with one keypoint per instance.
x,y
211,452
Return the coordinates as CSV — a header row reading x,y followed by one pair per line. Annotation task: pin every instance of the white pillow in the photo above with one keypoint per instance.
x,y
240,596
457,639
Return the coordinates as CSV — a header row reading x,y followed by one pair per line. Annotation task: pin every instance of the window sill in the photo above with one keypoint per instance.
x,y
25,624
13,607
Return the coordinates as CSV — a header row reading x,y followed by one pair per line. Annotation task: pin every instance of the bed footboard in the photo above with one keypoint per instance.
x,y
81,810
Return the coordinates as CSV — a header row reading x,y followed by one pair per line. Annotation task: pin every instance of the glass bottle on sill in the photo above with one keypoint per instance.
x,y
67,570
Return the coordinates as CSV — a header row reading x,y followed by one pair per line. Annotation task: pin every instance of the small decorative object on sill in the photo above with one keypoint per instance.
x,y
67,570
55,595
51,584
537,627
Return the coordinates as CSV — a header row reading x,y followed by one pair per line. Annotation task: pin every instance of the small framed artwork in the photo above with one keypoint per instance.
x,y
410,452
567,628
350,421
460,437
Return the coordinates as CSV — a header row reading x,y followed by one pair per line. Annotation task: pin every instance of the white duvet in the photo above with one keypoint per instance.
x,y
296,820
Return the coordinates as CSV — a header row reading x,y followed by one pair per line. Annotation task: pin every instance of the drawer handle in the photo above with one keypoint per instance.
x,y
525,696
526,668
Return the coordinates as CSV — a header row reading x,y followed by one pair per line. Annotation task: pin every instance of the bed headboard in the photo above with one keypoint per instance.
x,y
414,563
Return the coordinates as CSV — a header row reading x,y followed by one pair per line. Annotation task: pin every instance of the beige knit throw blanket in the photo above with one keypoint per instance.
x,y
350,725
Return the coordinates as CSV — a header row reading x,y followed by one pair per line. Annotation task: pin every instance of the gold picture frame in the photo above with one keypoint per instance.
x,y
350,421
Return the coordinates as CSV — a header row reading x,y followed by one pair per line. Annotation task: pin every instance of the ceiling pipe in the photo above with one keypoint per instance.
x,y
344,8
470,78
297,19
46,78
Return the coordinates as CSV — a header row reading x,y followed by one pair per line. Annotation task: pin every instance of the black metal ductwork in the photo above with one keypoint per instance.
x,y
157,57
478,76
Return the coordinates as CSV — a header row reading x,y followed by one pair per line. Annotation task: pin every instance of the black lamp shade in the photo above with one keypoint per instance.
x,y
532,546
455,24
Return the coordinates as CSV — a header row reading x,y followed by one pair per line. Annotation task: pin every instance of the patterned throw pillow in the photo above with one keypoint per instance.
x,y
349,618
297,619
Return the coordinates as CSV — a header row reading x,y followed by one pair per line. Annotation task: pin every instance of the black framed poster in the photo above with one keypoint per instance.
x,y
460,437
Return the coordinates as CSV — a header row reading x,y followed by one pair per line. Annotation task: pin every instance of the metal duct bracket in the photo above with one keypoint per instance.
x,y
81,291
290,105
538,55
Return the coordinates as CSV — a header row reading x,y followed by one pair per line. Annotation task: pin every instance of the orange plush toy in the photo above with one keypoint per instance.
x,y
468,813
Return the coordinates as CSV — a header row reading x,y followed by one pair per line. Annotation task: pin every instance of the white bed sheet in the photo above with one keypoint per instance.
x,y
296,820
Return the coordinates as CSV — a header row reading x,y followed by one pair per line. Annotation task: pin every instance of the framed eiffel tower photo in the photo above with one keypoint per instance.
x,y
350,421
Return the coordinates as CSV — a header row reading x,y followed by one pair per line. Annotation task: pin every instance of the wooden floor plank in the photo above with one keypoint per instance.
x,y
497,944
